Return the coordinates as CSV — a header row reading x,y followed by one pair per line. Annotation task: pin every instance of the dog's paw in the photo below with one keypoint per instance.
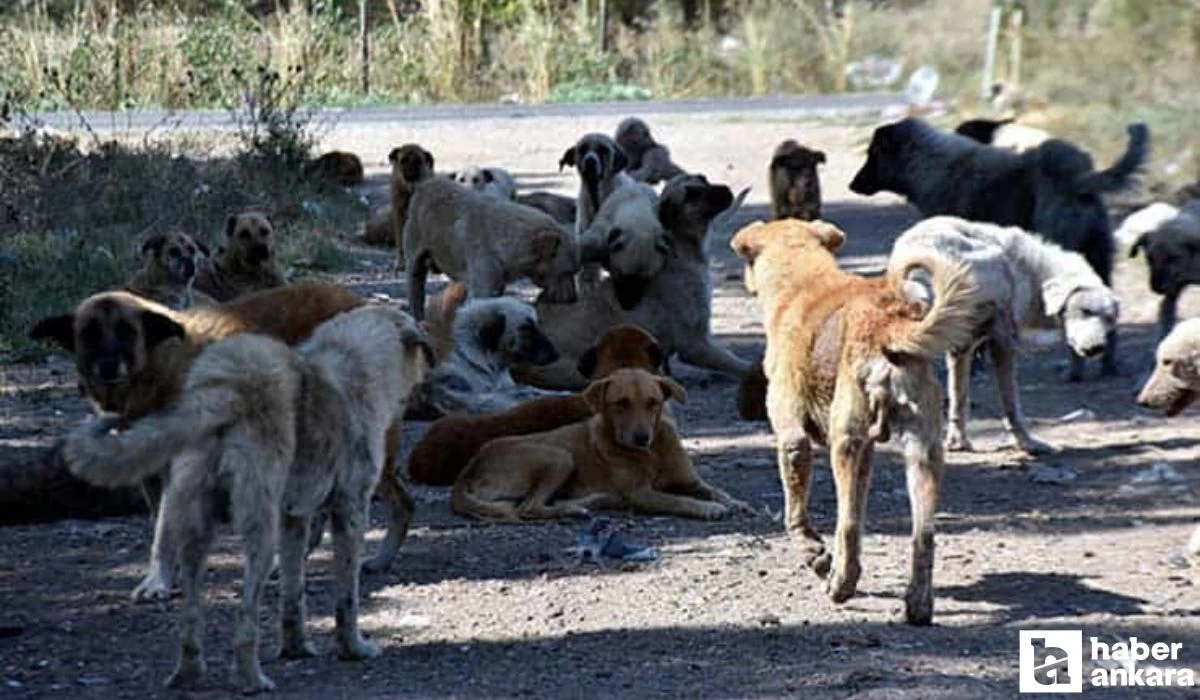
x,y
256,683
957,442
1034,447
154,588
918,605
297,649
820,563
378,564
713,511
187,674
743,508
841,586
358,650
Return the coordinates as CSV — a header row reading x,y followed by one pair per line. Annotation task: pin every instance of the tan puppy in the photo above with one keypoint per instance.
x,y
627,455
795,185
246,263
285,433
410,165
649,160
451,442
169,264
133,356
346,169
849,360
485,243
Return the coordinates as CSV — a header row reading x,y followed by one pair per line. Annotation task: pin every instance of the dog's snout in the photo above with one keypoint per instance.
x,y
591,166
108,369
641,438
1092,350
258,253
189,268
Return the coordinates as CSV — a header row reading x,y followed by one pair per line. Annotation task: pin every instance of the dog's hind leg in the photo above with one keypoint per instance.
x,y
707,354
293,545
1002,351
349,519
186,512
1167,313
923,461
258,475
794,453
958,386
158,582
850,456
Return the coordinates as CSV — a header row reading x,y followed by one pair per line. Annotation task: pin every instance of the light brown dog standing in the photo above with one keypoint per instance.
x,y
451,442
849,361
627,455
410,165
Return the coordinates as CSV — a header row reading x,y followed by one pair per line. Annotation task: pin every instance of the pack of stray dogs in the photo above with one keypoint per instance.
x,y
278,407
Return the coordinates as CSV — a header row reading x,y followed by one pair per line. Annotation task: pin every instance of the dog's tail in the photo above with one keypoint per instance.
x,y
950,317
440,313
1121,175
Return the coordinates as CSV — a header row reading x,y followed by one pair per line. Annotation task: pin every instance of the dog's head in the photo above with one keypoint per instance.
x,y
622,347
886,156
780,243
1173,256
1089,315
689,203
794,168
628,238
596,157
482,180
173,255
1175,383
633,136
411,163
111,336
630,405
250,239
557,257
504,327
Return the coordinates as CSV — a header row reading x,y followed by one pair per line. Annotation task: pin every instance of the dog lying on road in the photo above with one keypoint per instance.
x,y
627,455
1023,281
169,265
485,243
677,302
849,362
131,362
451,442
284,434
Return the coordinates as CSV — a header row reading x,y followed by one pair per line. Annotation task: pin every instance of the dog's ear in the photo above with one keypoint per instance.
x,y
428,157
818,157
658,359
157,328
1055,293
718,197
620,161
487,175
230,225
393,155
672,390
586,365
491,332
1137,246
203,249
154,243
1187,368
830,236
568,159
665,245
748,242
594,394
59,330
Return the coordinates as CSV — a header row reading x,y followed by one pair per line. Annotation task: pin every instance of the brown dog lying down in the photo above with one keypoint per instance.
x,y
169,265
132,362
451,442
627,455
245,263
849,361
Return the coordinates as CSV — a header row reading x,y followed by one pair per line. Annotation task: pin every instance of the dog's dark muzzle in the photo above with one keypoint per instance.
x,y
258,253
188,267
411,169
541,351
864,182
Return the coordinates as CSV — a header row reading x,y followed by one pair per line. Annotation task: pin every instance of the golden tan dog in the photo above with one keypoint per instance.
x,y
627,455
133,355
410,165
849,361
169,264
246,263
451,442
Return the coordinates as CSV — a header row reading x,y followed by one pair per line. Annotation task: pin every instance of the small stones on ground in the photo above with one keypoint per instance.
x,y
1053,475
1080,414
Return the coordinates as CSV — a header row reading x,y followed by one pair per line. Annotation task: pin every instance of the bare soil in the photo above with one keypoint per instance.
x,y
487,611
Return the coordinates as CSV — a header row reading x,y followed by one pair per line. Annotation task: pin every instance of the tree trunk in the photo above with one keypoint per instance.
x,y
35,486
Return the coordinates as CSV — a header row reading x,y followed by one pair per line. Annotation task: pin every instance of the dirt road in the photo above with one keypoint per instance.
x,y
1089,538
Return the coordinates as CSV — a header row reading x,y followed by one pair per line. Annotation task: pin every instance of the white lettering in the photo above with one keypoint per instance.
x,y
1099,649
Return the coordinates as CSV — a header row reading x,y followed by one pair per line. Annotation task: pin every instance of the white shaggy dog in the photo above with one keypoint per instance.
x,y
1024,281
488,336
